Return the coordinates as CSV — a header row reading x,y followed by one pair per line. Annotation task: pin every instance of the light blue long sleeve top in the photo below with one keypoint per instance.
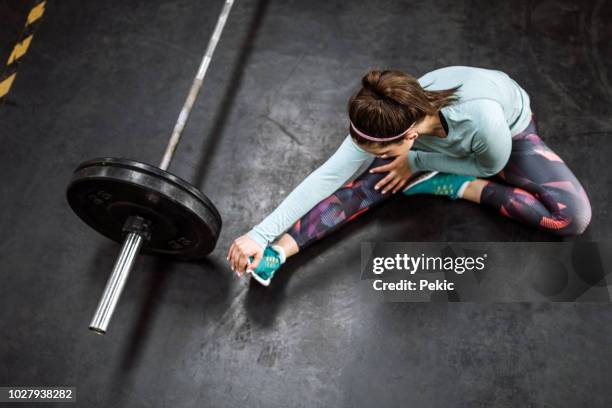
x,y
491,108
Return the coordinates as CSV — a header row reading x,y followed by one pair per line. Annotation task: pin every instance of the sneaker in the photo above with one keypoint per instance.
x,y
419,178
447,184
270,262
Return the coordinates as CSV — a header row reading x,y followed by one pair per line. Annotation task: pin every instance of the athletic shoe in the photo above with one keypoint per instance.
x,y
451,185
273,258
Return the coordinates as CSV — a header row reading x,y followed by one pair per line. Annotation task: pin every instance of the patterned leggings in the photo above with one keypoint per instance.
x,y
535,188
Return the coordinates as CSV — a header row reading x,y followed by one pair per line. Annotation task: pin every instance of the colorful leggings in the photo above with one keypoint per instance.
x,y
535,188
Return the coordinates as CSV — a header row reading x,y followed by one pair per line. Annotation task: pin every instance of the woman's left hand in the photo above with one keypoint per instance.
x,y
399,173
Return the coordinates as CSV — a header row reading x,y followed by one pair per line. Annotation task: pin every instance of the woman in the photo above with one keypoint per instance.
x,y
461,132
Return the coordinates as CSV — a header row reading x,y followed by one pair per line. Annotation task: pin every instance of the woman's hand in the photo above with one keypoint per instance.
x,y
242,248
399,173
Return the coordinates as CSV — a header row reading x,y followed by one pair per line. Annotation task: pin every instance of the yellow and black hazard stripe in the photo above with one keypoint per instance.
x,y
25,39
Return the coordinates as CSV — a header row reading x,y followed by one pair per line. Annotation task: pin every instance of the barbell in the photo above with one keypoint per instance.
x,y
144,207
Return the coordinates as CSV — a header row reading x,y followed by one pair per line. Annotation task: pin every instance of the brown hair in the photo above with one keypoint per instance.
x,y
390,101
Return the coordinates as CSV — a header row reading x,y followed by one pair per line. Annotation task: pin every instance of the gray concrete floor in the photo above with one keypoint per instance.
x,y
108,78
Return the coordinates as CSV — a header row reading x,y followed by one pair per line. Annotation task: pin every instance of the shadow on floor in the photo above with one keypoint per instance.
x,y
246,49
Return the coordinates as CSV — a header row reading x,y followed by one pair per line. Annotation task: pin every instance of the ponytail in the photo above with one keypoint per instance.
x,y
390,101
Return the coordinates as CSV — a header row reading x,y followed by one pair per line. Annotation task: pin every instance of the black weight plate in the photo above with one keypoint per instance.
x,y
104,192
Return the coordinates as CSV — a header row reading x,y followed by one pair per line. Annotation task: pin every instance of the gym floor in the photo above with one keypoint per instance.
x,y
108,79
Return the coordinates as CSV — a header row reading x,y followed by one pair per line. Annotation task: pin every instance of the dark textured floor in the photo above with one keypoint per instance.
x,y
108,78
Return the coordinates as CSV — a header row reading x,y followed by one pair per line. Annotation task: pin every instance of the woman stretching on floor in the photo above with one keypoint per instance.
x,y
461,132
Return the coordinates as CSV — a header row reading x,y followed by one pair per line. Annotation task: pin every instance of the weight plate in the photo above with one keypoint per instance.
x,y
104,192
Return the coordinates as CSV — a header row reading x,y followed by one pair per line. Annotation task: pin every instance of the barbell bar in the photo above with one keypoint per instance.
x,y
144,207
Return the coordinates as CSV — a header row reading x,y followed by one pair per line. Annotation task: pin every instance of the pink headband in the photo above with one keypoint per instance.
x,y
379,139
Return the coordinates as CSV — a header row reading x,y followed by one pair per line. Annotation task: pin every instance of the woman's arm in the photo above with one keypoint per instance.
x,y
491,147
321,183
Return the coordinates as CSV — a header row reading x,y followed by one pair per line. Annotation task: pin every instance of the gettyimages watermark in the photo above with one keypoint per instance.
x,y
577,271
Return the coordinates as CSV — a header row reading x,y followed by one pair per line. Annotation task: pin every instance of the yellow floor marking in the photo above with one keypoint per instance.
x,y
6,85
36,12
19,50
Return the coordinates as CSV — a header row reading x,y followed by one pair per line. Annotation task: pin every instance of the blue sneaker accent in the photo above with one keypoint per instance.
x,y
269,264
446,184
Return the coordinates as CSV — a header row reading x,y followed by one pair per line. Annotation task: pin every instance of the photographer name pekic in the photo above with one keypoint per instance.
x,y
414,285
